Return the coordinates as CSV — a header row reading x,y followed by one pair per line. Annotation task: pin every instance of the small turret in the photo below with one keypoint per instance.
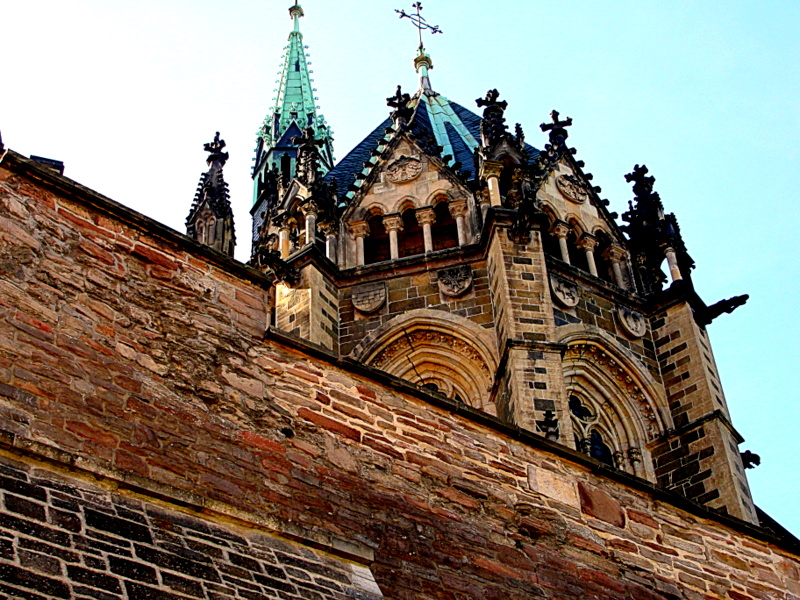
x,y
210,219
654,235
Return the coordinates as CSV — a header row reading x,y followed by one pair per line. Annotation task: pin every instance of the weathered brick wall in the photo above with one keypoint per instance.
x,y
65,538
131,370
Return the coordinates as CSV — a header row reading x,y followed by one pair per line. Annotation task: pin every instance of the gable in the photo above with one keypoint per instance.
x,y
407,176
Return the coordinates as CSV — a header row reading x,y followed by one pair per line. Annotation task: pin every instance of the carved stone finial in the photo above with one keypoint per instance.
x,y
308,155
490,101
549,426
557,129
216,155
400,102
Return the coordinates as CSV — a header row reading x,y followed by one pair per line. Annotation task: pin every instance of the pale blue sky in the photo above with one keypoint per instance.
x,y
704,93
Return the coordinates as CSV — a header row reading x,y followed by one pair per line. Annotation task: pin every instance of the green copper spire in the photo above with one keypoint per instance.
x,y
294,110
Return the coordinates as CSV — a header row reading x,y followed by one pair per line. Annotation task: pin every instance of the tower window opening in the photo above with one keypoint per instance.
x,y
376,245
444,230
412,241
599,449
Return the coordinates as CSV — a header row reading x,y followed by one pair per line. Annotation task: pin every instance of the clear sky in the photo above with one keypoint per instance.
x,y
704,93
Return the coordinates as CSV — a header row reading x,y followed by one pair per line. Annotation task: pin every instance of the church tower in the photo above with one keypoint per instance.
x,y
210,219
448,252
294,112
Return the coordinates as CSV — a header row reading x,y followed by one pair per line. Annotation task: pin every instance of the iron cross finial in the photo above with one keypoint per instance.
x,y
419,21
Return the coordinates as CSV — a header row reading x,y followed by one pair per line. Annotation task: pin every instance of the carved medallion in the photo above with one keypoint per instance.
x,y
456,281
564,292
572,188
405,168
632,322
369,298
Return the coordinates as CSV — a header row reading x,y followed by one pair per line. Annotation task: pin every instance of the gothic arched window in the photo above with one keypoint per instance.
x,y
588,438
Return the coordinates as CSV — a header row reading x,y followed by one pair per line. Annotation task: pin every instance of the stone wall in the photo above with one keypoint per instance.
x,y
413,286
129,356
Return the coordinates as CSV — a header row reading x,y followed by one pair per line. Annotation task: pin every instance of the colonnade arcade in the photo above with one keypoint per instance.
x,y
411,230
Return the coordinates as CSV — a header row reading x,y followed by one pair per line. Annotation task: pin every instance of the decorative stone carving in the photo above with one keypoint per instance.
x,y
565,293
572,188
456,281
587,351
369,298
405,168
421,338
632,322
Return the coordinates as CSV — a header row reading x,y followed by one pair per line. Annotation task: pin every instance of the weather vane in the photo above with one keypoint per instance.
x,y
419,21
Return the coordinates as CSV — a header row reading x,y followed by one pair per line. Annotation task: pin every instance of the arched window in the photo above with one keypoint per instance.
x,y
507,175
577,255
550,243
210,231
376,245
588,438
412,241
444,230
604,269
199,231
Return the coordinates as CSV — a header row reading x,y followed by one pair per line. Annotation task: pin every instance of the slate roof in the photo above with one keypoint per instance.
x,y
440,127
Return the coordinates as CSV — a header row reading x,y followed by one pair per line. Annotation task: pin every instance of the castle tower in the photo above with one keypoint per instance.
x,y
210,219
293,112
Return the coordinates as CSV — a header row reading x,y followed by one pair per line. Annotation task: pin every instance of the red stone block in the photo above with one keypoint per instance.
x,y
600,505
330,424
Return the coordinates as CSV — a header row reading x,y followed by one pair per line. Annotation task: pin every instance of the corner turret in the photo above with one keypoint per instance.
x,y
210,219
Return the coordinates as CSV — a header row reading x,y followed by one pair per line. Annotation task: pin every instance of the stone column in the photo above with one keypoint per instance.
x,y
672,261
359,230
458,210
284,244
482,196
310,213
329,229
588,243
561,231
616,256
490,171
393,224
426,218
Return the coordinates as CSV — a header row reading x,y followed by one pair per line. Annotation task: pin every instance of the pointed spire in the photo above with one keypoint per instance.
x,y
210,219
293,111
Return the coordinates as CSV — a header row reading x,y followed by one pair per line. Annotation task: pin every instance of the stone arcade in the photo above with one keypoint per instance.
x,y
447,372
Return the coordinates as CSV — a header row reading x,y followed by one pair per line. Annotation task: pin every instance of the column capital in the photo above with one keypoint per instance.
x,y
587,242
560,229
393,223
458,208
425,216
359,229
329,228
491,168
309,208
615,253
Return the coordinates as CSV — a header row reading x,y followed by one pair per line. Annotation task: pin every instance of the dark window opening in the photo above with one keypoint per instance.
x,y
577,256
578,409
599,449
444,230
604,268
550,245
412,241
376,244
